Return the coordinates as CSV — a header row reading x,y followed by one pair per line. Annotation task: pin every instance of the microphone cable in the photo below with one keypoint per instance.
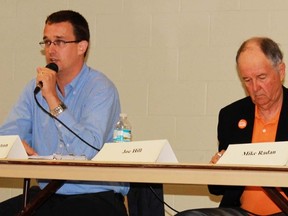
x,y
162,201
62,123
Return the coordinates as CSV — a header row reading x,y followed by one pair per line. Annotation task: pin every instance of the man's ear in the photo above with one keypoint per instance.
x,y
82,47
282,68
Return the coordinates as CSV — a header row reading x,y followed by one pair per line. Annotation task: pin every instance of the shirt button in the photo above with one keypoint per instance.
x,y
264,130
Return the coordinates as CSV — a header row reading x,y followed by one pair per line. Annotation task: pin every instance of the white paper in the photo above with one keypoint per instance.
x,y
137,151
36,157
58,157
267,153
11,147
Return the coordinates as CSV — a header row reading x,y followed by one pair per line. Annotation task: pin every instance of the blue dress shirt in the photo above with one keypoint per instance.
x,y
93,109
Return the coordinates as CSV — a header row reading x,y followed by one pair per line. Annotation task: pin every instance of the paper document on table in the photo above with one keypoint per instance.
x,y
137,151
58,157
36,157
266,153
11,147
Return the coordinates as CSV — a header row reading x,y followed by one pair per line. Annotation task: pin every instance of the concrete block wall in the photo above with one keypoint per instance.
x,y
173,62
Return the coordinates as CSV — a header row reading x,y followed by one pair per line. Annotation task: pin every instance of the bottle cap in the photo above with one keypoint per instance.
x,y
123,115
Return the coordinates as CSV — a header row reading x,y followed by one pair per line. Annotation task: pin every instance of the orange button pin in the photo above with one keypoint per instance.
x,y
242,123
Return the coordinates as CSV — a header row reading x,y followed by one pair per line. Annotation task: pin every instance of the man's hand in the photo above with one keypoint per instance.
x,y
217,156
30,151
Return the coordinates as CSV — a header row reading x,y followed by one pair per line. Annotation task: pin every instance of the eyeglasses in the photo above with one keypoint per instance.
x,y
58,43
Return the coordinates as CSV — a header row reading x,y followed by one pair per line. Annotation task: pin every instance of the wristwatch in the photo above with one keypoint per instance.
x,y
59,109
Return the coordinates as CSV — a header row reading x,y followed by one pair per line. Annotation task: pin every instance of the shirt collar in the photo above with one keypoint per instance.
x,y
274,120
75,84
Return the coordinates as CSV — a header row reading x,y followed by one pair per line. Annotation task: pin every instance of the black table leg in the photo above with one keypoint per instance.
x,y
277,198
26,186
41,197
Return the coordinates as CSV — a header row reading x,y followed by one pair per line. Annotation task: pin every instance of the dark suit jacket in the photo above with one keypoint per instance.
x,y
230,133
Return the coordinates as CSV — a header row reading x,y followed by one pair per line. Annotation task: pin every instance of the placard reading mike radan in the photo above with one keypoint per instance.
x,y
266,153
11,147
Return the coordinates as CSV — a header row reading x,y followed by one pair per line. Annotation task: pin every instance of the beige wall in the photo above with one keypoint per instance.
x,y
172,61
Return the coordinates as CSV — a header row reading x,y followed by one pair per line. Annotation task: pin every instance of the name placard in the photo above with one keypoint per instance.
x,y
267,153
137,151
11,147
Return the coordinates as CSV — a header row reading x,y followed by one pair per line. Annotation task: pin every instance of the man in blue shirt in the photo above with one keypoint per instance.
x,y
83,99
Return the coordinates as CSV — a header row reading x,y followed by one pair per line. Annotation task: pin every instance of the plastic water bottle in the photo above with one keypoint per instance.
x,y
122,131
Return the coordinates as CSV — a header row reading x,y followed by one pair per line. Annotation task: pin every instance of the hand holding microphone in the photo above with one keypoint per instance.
x,y
53,101
41,74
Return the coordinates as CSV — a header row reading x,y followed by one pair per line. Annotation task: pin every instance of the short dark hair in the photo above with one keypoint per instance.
x,y
270,49
79,23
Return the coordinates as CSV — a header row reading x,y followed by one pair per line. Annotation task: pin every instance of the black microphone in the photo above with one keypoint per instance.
x,y
39,85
